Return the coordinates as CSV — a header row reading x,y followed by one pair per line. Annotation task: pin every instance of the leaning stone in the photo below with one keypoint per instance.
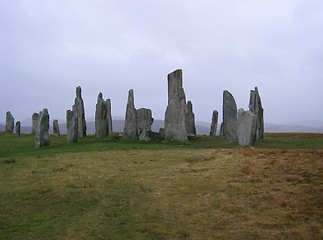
x,y
148,136
71,124
42,131
79,112
18,128
175,115
10,122
35,119
229,117
247,123
255,106
130,131
190,119
56,128
214,123
144,120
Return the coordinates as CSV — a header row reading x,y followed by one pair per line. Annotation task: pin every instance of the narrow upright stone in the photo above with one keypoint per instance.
x,y
42,131
247,123
190,119
79,112
10,122
109,115
35,119
130,126
56,128
175,115
229,117
214,123
255,106
18,128
101,118
71,125
144,120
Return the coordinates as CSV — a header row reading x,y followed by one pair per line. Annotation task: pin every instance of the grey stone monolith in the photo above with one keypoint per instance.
x,y
175,115
144,120
229,117
109,115
130,131
35,119
18,125
247,123
42,131
10,122
221,130
71,125
190,119
101,118
79,112
214,123
56,128
255,106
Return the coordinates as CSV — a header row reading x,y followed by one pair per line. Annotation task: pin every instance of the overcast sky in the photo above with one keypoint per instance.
x,y
49,47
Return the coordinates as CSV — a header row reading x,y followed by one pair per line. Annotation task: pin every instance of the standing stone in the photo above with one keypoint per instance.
x,y
221,130
35,119
130,131
144,120
18,128
101,118
56,128
190,119
214,123
10,122
71,125
256,107
175,115
247,123
79,112
109,115
229,117
42,131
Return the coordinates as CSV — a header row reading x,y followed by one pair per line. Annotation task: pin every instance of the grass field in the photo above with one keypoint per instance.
x,y
206,189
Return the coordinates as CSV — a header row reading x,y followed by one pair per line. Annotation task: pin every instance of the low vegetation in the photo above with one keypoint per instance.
x,y
206,189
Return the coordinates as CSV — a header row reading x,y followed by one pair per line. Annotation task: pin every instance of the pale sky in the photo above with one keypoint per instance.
x,y
49,47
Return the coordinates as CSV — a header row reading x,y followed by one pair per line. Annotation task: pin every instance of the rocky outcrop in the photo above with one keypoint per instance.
x,y
10,122
255,106
35,119
190,119
42,131
214,123
56,128
148,136
130,131
18,128
71,124
229,117
79,113
247,123
144,120
175,115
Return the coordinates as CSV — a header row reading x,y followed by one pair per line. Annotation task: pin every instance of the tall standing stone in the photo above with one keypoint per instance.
x,y
42,131
79,112
255,106
130,131
229,117
190,119
35,119
101,118
144,120
175,115
71,125
109,115
214,123
247,123
18,128
56,128
10,122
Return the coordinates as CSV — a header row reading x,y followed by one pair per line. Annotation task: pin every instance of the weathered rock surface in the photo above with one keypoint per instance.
x,y
18,128
229,117
56,128
247,123
255,106
144,120
10,122
109,115
175,115
101,118
214,123
35,119
79,112
148,136
42,131
130,131
190,119
71,124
